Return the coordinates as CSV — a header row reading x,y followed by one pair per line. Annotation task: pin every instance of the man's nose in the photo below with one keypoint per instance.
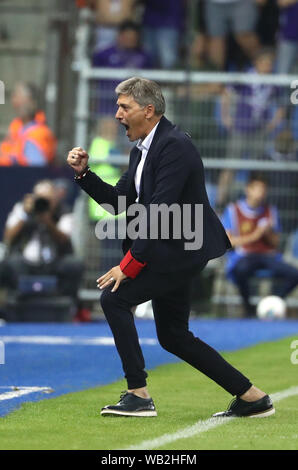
x,y
118,114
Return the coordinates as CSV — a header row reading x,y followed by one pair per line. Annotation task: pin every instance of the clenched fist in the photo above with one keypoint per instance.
x,y
78,159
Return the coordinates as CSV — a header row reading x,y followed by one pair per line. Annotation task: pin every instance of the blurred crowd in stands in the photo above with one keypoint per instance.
x,y
200,34
222,35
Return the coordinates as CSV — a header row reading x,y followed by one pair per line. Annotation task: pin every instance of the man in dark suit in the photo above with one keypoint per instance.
x,y
166,170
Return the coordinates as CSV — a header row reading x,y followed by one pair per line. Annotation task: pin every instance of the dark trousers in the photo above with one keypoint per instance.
x,y
170,295
285,274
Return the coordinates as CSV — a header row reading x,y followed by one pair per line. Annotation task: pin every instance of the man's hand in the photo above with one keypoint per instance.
x,y
28,203
263,229
78,159
114,275
271,237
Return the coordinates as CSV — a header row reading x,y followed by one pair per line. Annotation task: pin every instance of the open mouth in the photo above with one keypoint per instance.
x,y
126,127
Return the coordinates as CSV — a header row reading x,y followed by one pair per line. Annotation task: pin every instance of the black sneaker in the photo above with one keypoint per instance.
x,y
253,409
131,405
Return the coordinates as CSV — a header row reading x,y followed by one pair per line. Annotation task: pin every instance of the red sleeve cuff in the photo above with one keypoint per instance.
x,y
130,266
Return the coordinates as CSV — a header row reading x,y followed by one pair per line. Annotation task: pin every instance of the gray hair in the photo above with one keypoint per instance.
x,y
144,92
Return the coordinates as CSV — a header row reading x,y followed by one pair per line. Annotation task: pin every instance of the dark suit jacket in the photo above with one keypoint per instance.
x,y
173,173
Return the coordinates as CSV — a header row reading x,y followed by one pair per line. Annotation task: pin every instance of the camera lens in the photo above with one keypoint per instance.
x,y
41,205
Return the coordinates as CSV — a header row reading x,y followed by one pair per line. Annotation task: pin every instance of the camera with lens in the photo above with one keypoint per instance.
x,y
41,205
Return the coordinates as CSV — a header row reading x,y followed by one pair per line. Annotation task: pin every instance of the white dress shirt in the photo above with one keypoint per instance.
x,y
144,147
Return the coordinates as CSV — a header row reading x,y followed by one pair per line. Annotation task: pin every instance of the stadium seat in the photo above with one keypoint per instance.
x,y
40,309
226,299
38,299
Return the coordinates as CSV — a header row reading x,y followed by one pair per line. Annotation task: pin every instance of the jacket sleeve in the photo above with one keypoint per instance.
x,y
104,193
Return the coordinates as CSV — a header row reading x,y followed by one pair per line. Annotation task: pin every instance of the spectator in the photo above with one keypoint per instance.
x,y
29,142
287,49
38,238
198,53
163,24
238,17
125,53
267,25
109,14
252,115
254,231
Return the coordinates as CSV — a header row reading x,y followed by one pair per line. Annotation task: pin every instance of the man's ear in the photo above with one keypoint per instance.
x,y
150,111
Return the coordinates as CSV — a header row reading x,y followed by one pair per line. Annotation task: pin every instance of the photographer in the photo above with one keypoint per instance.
x,y
38,238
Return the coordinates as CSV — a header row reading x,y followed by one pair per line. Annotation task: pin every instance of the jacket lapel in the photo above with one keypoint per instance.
x,y
163,128
135,156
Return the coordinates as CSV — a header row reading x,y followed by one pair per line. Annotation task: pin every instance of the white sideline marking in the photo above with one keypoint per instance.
x,y
20,391
70,340
202,426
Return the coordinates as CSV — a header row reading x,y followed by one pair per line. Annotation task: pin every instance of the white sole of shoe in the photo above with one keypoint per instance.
x,y
263,414
141,414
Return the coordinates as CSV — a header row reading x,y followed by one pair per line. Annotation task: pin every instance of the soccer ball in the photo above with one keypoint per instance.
x,y
271,307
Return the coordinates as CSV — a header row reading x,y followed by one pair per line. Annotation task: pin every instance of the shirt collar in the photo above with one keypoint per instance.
x,y
145,144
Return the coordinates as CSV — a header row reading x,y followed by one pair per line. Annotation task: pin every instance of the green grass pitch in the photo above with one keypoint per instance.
x,y
182,397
